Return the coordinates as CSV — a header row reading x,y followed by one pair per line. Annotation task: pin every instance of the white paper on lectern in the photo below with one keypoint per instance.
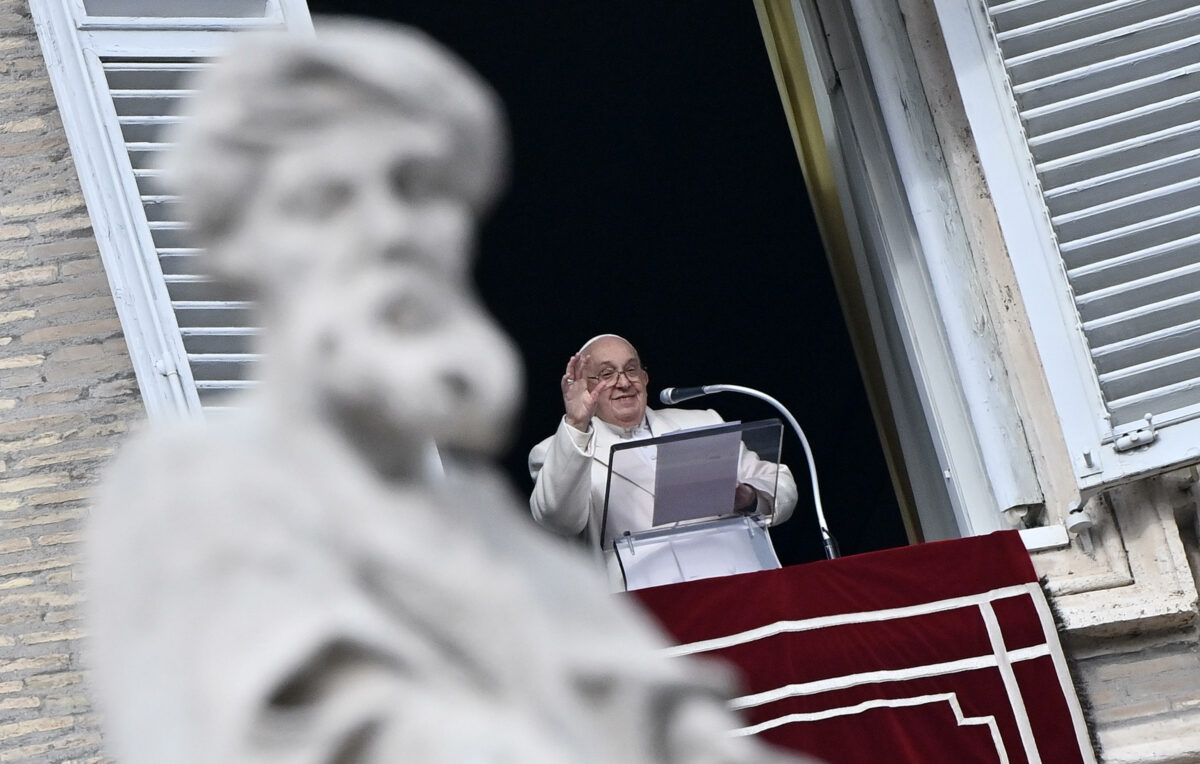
x,y
696,478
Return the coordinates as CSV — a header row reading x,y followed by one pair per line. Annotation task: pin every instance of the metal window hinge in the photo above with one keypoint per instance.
x,y
166,367
1143,436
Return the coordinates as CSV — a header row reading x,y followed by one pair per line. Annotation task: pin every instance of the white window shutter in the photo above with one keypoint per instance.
x,y
1087,118
119,70
1110,99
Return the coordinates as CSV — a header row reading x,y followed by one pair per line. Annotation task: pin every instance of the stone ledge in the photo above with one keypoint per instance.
x,y
1159,593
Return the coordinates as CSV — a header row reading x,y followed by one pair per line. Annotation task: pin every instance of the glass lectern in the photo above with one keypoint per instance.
x,y
673,510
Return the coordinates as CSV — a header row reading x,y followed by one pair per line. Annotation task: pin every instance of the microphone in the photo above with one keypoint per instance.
x,y
673,395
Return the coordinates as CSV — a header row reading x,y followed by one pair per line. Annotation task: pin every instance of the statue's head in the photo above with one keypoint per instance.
x,y
369,144
341,177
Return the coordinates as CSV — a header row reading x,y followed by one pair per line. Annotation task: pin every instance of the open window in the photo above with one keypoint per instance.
x,y
1086,120
902,259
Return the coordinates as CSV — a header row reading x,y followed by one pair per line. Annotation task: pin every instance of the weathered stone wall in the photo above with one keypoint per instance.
x,y
1140,676
66,391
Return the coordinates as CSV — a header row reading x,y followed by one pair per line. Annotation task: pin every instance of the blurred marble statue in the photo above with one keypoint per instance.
x,y
287,584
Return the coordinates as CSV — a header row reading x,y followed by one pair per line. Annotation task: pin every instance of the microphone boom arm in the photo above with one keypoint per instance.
x,y
670,396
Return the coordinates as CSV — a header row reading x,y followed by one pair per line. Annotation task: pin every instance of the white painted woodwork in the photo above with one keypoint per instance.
x,y
119,70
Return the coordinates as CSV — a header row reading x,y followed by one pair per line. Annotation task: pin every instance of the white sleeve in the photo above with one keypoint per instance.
x,y
561,467
761,475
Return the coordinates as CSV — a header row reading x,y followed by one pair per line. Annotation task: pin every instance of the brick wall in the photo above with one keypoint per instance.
x,y
1142,695
66,392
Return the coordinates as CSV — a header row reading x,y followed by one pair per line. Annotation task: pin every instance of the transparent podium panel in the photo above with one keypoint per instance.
x,y
693,503
704,550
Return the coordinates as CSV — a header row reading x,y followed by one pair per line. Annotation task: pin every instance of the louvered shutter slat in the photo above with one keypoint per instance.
x,y
1160,372
1062,29
1104,49
1127,202
1147,348
1149,290
1114,111
1161,396
1063,86
1113,161
161,209
1087,277
179,260
1105,244
144,156
207,340
1129,184
176,8
1142,320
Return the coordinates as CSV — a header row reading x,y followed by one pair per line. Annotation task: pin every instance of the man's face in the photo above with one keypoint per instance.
x,y
624,404
374,195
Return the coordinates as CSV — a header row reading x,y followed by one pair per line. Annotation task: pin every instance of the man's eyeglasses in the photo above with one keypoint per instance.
x,y
634,373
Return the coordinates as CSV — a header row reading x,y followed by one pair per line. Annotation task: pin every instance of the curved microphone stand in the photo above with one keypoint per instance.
x,y
672,395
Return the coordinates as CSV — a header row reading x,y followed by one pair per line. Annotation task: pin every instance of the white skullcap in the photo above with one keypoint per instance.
x,y
587,344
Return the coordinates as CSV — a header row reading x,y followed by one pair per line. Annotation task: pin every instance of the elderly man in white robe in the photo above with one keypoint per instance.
x,y
604,400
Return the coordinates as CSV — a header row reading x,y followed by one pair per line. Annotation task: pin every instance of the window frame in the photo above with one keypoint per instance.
x,y
944,399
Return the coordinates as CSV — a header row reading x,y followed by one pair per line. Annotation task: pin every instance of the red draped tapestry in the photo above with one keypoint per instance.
x,y
939,652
